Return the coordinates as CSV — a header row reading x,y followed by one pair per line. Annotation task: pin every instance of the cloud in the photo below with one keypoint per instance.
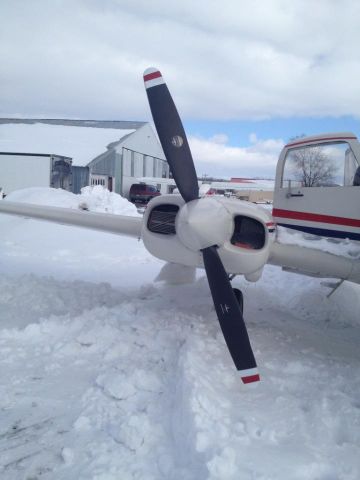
x,y
221,159
235,60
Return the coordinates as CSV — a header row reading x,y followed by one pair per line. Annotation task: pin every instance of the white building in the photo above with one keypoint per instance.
x,y
137,154
111,153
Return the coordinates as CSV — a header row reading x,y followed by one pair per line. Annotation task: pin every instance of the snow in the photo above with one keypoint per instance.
x,y
82,144
95,198
344,247
113,365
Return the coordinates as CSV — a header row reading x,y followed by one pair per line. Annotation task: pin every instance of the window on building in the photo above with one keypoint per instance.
x,y
138,164
98,181
127,162
164,170
149,166
132,173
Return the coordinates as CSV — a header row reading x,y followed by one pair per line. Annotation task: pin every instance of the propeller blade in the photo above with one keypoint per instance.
x,y
230,317
171,134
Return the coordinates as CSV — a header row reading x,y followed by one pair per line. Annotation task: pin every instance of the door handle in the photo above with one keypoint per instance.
x,y
289,195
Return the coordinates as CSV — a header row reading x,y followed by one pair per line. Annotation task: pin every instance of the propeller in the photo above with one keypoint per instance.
x,y
171,134
177,152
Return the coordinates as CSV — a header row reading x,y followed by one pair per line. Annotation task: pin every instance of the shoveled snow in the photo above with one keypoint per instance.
x,y
95,198
108,374
343,247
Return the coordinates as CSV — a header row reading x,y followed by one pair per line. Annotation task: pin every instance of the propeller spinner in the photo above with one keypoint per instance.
x,y
177,152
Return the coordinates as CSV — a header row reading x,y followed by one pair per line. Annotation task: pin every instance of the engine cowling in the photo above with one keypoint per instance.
x,y
177,232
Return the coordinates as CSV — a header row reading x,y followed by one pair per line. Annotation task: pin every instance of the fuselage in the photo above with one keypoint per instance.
x,y
316,190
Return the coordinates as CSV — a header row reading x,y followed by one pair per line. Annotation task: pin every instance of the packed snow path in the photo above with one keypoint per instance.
x,y
107,375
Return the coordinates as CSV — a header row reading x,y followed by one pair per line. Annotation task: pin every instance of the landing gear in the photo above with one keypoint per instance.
x,y
238,294
239,298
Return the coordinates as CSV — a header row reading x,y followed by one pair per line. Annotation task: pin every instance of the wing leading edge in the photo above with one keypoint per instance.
x,y
314,262
106,222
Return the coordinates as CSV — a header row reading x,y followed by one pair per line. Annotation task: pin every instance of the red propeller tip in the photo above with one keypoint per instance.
x,y
249,376
152,77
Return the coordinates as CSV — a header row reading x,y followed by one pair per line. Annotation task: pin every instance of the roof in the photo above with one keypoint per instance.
x,y
117,124
16,154
82,140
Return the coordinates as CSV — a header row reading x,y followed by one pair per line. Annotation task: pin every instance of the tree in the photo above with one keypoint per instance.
x,y
312,167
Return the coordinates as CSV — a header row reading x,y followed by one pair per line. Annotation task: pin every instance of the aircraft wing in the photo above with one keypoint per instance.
x,y
314,262
107,222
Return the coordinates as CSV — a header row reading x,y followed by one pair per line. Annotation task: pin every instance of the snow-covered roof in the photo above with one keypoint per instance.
x,y
76,140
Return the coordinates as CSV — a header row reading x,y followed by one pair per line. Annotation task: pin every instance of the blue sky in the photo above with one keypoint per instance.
x,y
255,144
238,132
246,76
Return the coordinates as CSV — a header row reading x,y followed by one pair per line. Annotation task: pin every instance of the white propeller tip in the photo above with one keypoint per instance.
x,y
152,77
150,70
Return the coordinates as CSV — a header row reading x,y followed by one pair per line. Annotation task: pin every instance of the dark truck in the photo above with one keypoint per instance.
x,y
142,193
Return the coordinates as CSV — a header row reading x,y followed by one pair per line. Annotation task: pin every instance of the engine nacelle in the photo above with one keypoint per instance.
x,y
176,232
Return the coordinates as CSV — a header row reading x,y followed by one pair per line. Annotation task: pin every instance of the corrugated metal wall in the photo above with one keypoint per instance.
x,y
104,164
128,166
80,178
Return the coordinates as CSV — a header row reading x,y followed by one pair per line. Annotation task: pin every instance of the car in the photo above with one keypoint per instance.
x,y
142,193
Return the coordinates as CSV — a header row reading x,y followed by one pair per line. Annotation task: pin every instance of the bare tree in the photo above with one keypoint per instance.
x,y
312,167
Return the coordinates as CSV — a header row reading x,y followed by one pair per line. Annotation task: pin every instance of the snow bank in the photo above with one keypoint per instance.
x,y
142,386
106,376
99,199
344,247
95,198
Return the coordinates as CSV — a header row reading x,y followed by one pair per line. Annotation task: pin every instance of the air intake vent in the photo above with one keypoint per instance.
x,y
162,219
248,233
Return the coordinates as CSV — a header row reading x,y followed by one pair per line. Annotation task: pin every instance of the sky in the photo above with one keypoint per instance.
x,y
245,76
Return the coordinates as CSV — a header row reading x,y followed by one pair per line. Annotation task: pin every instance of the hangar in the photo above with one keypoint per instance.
x,y
135,155
114,154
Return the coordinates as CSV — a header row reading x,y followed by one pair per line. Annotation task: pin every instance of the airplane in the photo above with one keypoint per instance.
x,y
316,191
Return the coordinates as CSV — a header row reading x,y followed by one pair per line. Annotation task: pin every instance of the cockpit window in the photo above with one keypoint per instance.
x,y
321,165
248,233
356,182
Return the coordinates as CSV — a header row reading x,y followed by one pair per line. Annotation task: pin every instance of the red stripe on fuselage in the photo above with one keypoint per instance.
x,y
315,217
151,76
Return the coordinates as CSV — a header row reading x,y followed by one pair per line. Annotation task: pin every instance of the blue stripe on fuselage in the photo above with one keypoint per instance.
x,y
323,232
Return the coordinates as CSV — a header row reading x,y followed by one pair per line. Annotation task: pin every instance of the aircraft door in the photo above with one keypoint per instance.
x,y
316,190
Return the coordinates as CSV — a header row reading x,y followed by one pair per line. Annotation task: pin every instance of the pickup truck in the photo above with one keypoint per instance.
x,y
142,193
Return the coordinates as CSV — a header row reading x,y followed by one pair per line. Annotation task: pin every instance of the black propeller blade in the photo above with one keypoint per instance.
x,y
171,134
176,148
230,316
